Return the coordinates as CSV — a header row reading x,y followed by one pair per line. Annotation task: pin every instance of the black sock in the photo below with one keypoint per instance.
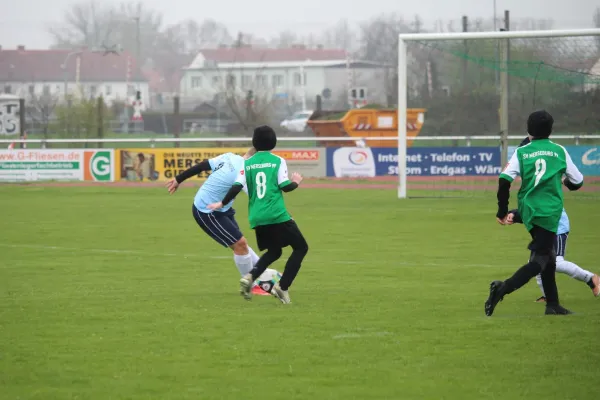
x,y
549,284
521,277
263,263
292,267
590,283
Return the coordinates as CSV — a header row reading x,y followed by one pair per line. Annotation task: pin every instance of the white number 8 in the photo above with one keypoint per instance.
x,y
261,185
540,170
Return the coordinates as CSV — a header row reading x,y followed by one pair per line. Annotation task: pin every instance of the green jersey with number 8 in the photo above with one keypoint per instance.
x,y
263,176
541,165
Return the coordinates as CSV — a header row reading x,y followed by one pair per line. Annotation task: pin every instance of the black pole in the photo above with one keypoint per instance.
x,y
176,120
100,127
22,122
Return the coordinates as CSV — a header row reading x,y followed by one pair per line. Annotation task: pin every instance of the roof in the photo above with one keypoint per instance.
x,y
254,55
46,66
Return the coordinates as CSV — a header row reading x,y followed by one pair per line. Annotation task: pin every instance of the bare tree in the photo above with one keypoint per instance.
x,y
92,23
41,110
285,40
342,36
191,36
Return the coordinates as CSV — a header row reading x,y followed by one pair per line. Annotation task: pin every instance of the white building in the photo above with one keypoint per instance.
x,y
281,73
33,73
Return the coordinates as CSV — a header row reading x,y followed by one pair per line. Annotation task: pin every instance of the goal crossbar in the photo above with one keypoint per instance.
x,y
402,74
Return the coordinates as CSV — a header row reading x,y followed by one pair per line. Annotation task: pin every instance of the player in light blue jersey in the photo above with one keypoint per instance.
x,y
220,225
560,247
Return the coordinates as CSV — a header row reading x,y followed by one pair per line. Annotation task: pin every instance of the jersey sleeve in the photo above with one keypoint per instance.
x,y
214,162
513,168
282,174
241,180
572,172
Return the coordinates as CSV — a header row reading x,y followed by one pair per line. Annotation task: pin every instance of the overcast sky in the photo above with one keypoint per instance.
x,y
26,21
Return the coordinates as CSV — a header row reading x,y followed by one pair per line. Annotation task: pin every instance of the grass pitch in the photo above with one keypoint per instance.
x,y
115,293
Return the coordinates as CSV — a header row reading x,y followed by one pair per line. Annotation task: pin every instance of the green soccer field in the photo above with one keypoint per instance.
x,y
115,293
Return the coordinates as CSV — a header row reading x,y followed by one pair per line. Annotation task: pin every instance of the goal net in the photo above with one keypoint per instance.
x,y
477,90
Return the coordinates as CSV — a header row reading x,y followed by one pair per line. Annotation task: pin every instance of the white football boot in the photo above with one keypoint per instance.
x,y
246,286
281,294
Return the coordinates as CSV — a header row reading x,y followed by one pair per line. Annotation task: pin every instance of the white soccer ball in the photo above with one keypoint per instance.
x,y
268,279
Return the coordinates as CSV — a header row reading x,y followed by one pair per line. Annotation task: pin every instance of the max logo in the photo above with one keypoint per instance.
x,y
589,158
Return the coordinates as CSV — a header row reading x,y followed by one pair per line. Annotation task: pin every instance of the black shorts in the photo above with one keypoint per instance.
x,y
560,245
221,226
277,236
543,240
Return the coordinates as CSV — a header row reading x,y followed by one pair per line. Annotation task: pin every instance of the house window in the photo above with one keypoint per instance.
x,y
130,90
196,82
230,82
298,79
108,90
93,90
32,90
277,81
261,81
46,90
7,89
246,81
216,81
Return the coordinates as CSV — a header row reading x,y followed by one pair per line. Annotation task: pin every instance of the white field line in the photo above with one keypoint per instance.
x,y
182,255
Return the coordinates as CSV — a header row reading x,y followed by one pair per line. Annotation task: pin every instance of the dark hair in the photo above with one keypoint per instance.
x,y
264,138
539,124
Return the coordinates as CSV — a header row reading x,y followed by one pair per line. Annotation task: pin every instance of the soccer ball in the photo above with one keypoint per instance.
x,y
268,279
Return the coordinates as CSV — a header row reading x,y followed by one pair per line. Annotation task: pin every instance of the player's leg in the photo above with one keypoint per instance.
x,y
221,230
572,269
225,225
266,238
541,261
296,240
242,249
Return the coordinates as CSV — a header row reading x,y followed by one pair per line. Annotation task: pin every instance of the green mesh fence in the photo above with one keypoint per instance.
x,y
458,82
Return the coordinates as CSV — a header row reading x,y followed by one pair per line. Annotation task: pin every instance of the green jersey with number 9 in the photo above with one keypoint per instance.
x,y
263,176
541,165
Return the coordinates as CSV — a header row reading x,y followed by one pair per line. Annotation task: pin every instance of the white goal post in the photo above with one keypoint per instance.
x,y
428,37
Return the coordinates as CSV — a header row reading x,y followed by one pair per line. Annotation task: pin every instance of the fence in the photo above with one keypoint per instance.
x,y
436,169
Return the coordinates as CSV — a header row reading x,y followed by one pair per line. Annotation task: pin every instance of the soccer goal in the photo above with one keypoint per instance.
x,y
477,89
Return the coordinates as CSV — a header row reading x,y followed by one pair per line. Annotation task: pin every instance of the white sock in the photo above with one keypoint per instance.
x,y
243,263
573,270
538,278
254,256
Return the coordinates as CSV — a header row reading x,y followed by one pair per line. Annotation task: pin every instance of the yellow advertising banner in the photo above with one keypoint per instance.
x,y
164,164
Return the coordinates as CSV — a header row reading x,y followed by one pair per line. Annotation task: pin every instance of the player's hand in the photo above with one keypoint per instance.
x,y
215,206
501,221
296,177
172,186
509,219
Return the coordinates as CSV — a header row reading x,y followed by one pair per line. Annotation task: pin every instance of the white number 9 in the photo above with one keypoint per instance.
x,y
540,170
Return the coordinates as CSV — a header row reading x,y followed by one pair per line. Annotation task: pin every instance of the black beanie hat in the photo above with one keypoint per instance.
x,y
539,124
264,138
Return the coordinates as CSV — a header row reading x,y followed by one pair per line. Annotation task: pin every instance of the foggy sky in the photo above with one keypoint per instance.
x,y
26,21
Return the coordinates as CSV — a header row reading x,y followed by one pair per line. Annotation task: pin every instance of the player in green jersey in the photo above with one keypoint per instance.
x,y
265,178
541,165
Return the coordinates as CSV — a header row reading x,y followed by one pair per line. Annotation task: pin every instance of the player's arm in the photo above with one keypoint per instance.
x,y
574,178
504,182
236,188
283,181
204,165
174,183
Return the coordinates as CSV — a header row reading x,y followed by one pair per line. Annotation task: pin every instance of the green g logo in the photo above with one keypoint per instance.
x,y
99,165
